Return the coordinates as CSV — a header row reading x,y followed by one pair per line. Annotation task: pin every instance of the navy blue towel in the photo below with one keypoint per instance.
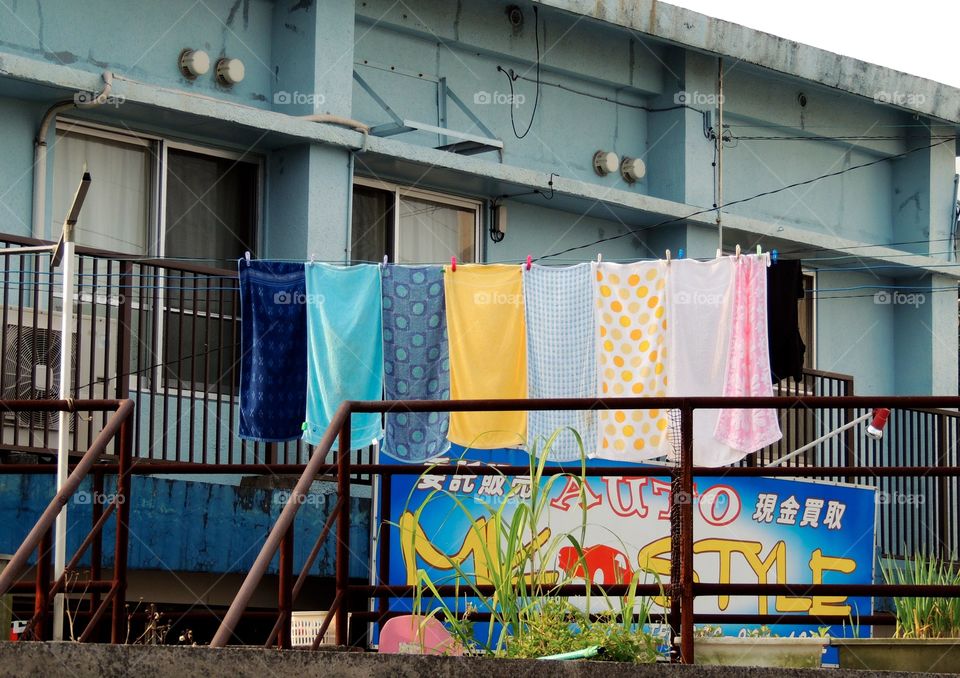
x,y
273,344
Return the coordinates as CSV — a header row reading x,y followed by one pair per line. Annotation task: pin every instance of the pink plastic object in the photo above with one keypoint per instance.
x,y
453,264
413,634
529,261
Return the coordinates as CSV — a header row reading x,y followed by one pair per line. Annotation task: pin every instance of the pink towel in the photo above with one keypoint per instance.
x,y
748,363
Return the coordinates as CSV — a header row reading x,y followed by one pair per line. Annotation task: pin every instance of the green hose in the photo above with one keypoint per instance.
x,y
585,653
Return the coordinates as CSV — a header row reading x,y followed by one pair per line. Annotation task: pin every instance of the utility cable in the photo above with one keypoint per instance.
x,y
743,200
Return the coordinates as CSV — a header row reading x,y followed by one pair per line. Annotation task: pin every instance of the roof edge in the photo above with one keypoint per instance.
x,y
685,27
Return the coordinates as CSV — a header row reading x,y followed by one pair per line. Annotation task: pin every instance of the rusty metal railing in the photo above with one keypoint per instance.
x,y
682,589
119,426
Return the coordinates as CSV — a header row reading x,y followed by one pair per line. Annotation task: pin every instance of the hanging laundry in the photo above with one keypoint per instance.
x,y
700,310
273,350
488,352
344,347
784,288
416,362
748,364
632,356
561,356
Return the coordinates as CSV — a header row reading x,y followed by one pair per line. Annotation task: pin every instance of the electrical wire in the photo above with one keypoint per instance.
x,y
511,77
743,200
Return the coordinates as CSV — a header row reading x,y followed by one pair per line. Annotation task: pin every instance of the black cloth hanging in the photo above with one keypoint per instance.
x,y
784,289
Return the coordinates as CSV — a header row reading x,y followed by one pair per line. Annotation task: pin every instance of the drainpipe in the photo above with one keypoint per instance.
x,y
40,148
953,220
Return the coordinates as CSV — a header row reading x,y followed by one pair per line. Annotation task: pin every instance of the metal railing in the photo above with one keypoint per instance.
x,y
163,333
681,589
103,594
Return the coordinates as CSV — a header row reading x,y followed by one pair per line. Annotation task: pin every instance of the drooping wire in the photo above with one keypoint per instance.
x,y
512,77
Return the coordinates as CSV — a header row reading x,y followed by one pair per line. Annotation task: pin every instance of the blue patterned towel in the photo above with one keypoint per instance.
x,y
416,363
344,348
561,356
273,342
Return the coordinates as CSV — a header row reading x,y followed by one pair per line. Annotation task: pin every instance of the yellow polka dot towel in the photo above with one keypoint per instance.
x,y
488,351
630,330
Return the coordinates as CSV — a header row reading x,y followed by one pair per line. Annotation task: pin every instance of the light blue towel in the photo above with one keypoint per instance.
x,y
416,360
344,348
561,356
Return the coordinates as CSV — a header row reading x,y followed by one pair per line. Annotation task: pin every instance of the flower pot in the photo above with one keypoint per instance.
x,y
941,655
793,653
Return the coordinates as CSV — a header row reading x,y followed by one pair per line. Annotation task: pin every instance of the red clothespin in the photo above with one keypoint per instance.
x,y
529,262
453,264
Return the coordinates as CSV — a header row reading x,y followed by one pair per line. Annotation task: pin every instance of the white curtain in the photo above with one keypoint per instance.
x,y
432,233
115,214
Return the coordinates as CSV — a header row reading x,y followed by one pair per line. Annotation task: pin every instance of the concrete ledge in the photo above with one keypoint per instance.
x,y
82,661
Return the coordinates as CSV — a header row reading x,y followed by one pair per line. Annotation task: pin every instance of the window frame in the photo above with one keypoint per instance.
x,y
403,191
158,147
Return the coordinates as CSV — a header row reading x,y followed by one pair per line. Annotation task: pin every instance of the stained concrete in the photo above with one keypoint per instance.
x,y
105,661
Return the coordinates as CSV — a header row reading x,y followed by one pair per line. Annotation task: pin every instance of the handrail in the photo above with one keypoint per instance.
x,y
682,589
117,424
284,522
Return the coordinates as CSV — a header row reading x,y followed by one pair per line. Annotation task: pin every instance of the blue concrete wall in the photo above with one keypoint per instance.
x,y
183,526
16,162
142,40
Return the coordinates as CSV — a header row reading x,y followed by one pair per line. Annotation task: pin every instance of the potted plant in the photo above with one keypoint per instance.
x,y
757,647
927,633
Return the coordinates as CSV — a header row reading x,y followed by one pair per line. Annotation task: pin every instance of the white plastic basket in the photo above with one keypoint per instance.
x,y
305,625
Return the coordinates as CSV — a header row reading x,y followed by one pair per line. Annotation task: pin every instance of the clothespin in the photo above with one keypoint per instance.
x,y
773,256
313,257
668,257
529,262
386,258
719,253
599,257
759,250
680,253
246,256
453,264
738,251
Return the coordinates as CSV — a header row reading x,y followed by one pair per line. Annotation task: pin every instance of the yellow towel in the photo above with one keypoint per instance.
x,y
488,351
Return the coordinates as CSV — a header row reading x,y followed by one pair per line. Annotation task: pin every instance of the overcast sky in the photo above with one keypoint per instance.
x,y
918,37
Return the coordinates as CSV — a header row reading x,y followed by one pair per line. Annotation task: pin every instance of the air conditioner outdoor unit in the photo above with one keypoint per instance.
x,y
32,345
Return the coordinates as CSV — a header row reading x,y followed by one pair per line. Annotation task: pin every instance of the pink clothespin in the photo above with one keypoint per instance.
x,y
529,262
453,264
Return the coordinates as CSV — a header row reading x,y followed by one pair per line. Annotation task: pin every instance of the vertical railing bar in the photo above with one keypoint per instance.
x,y
19,365
207,359
192,405
123,487
342,573
47,420
106,344
96,547
157,328
233,382
92,334
685,500
285,595
178,432
51,285
218,400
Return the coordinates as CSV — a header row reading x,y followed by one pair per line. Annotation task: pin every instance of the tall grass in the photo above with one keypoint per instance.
x,y
517,555
934,617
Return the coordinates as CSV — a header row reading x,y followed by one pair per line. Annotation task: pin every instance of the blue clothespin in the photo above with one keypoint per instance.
x,y
773,256
680,253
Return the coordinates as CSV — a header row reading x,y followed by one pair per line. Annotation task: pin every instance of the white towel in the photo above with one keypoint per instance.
x,y
700,309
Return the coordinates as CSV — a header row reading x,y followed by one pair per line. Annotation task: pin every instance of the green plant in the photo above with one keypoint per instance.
x,y
925,617
516,553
